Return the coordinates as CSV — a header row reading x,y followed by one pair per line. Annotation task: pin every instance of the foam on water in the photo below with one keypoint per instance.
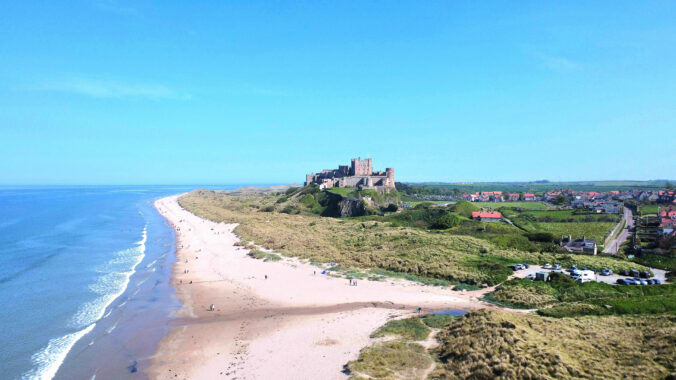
x,y
49,359
110,285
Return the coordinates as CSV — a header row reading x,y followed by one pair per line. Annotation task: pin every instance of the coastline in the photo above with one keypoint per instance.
x,y
272,319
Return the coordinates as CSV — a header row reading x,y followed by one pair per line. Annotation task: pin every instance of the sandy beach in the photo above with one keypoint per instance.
x,y
294,324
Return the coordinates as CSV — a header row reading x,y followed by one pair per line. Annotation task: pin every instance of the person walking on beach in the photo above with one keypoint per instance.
x,y
266,276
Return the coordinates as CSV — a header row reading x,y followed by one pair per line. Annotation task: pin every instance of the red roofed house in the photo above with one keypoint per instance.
x,y
529,197
487,216
513,197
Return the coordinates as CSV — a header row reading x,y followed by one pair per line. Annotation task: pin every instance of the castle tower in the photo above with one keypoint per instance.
x,y
361,168
389,172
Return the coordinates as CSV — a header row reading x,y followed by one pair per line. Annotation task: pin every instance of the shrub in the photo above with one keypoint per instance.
x,y
445,221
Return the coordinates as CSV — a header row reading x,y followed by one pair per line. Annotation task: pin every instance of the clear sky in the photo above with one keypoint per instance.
x,y
167,92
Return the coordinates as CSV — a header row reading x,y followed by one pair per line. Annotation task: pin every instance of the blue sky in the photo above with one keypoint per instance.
x,y
136,92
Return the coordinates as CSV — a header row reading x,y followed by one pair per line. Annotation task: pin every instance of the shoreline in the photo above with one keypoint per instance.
x,y
280,319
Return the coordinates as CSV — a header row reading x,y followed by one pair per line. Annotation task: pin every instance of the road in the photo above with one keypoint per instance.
x,y
615,243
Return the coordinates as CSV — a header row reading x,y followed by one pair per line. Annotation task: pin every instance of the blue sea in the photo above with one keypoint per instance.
x,y
84,281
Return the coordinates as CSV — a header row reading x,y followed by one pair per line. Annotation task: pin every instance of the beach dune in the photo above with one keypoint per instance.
x,y
282,320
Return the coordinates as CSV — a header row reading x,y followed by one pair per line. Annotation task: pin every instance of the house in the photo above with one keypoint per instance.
x,y
579,245
513,197
529,197
487,216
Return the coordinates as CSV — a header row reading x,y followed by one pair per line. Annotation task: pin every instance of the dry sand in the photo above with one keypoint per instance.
x,y
296,324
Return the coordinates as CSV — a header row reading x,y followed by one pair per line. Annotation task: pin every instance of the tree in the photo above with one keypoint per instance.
x,y
669,185
445,221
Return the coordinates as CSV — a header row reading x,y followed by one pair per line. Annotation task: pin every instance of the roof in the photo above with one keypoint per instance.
x,y
486,215
529,195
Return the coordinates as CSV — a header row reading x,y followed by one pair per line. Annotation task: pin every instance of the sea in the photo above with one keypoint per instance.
x,y
84,280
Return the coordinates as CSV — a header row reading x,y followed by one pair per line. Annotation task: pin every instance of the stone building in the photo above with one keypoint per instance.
x,y
358,174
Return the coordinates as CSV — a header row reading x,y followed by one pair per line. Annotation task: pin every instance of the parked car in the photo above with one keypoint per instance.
x,y
621,281
634,273
582,280
631,281
516,267
644,274
649,281
531,276
657,281
557,271
606,272
557,266
547,266
525,266
640,281
624,272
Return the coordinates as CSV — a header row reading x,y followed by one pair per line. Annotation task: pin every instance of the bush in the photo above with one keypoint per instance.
x,y
445,221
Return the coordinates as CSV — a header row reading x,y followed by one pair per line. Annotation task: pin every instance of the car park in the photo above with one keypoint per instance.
x,y
606,272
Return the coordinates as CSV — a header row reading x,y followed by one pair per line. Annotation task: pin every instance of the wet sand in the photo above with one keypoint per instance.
x,y
296,324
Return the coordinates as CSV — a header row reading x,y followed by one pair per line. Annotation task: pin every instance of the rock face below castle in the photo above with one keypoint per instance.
x,y
358,174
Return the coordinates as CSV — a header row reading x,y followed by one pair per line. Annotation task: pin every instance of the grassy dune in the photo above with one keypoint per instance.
x,y
493,344
369,244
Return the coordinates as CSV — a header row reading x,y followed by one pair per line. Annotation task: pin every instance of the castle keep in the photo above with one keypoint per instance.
x,y
359,174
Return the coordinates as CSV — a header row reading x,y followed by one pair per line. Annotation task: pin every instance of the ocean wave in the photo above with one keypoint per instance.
x,y
49,359
110,286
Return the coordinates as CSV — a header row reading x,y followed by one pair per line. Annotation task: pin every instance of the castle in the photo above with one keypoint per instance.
x,y
359,174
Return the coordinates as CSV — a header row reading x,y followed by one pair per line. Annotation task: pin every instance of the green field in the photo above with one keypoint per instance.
x,y
648,209
592,231
523,205
534,187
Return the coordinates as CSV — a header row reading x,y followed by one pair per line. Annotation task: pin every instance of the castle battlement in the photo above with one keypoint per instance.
x,y
358,174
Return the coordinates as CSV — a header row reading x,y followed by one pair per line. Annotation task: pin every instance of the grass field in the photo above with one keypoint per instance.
x,y
648,209
523,205
592,230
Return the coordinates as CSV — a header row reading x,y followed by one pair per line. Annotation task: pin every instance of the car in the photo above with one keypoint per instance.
x,y
531,276
621,281
606,272
640,281
631,281
525,266
634,273
516,267
583,280
624,272
644,274
557,271
649,281
557,266
657,281
547,266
